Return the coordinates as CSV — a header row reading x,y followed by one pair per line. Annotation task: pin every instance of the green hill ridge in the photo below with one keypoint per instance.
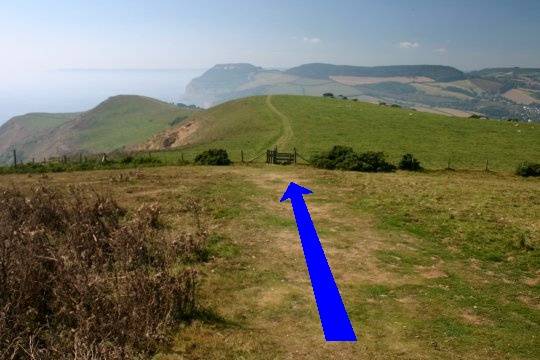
x,y
313,124
117,122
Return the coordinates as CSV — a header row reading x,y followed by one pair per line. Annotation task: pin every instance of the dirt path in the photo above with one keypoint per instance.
x,y
287,132
269,291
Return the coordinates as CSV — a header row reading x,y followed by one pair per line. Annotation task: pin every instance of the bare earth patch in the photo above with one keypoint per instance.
x,y
535,281
171,138
471,318
529,301
431,272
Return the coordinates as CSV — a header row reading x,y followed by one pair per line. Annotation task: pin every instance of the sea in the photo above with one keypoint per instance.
x,y
77,90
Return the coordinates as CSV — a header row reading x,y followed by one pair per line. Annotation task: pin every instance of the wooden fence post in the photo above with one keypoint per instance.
x,y
294,156
14,158
182,156
242,155
487,165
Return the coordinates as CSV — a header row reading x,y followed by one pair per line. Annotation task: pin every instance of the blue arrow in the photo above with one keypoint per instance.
x,y
334,319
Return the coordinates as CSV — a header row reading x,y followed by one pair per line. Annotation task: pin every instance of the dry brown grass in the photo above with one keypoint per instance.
x,y
80,280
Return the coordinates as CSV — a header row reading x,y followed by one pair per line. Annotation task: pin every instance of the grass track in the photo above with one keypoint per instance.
x,y
287,133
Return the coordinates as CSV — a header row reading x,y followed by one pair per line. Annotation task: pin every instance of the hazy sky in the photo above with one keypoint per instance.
x,y
37,35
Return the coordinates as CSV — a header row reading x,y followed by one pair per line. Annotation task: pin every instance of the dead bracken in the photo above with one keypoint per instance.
x,y
81,280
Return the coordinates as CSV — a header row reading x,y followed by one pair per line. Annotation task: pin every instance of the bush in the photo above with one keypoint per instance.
x,y
345,158
328,95
333,158
528,169
213,157
408,162
373,162
79,280
177,120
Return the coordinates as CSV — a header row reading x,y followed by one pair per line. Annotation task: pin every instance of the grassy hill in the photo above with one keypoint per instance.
x,y
313,124
24,128
124,120
117,122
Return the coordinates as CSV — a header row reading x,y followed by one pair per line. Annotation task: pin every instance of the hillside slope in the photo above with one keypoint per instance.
x,y
25,128
117,122
313,124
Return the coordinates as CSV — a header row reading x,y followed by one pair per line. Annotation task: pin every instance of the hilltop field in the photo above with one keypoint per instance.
x,y
438,265
314,124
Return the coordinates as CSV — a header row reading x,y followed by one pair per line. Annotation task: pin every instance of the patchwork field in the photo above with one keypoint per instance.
x,y
437,265
364,80
520,96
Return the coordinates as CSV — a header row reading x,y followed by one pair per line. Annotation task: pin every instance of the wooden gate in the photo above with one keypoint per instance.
x,y
275,157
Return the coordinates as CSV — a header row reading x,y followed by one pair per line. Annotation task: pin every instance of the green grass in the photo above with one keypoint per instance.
x,y
125,120
43,121
317,124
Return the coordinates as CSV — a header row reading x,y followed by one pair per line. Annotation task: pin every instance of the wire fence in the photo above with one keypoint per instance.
x,y
119,158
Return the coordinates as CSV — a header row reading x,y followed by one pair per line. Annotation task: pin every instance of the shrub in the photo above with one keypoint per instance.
x,y
345,158
177,120
127,160
146,160
528,169
409,162
373,162
328,95
332,159
213,157
80,280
